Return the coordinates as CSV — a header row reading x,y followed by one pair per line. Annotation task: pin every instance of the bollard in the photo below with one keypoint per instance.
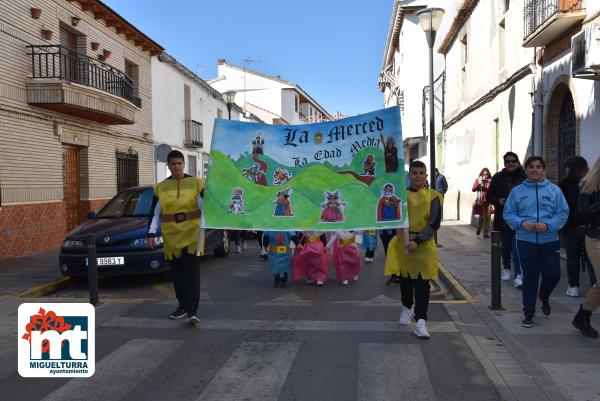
x,y
496,271
92,269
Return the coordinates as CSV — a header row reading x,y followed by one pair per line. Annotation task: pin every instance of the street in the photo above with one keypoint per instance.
x,y
255,342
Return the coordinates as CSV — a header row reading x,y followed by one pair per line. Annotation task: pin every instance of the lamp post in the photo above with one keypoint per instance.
x,y
430,20
229,99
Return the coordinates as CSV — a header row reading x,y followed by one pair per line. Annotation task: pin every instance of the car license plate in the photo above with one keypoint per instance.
x,y
111,261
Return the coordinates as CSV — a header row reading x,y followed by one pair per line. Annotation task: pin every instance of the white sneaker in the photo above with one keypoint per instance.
x,y
421,329
404,316
355,278
519,281
244,245
238,249
573,291
345,282
505,274
263,252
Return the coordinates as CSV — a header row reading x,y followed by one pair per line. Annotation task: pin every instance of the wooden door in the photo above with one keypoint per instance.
x,y
71,185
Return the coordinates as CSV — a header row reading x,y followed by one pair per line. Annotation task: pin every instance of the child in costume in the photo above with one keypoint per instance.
x,y
416,257
346,256
311,259
279,245
369,244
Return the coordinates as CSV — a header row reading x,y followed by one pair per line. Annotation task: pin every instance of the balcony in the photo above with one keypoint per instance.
x,y
546,20
193,134
73,83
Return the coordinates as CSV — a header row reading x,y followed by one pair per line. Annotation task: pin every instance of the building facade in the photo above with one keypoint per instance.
x,y
488,96
565,34
404,75
75,116
271,98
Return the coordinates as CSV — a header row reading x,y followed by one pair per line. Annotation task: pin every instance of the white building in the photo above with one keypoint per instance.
x,y
404,76
567,116
271,98
184,108
487,99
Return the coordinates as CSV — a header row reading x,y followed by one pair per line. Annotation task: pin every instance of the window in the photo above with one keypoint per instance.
x,y
192,166
128,204
127,170
133,72
501,44
296,103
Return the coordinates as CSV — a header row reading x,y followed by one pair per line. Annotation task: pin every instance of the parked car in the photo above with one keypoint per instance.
x,y
121,238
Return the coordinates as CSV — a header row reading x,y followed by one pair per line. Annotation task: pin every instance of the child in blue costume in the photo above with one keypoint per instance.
x,y
279,254
369,244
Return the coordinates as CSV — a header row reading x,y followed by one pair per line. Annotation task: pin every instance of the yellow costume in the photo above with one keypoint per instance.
x,y
424,259
177,196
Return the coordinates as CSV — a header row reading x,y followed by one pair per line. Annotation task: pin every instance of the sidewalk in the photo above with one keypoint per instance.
x,y
551,361
25,272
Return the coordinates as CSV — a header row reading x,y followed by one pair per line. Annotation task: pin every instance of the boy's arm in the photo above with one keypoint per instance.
x,y
435,219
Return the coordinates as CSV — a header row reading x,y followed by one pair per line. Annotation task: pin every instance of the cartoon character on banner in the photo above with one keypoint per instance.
x,y
281,176
369,166
283,206
237,202
390,154
389,205
332,207
255,173
257,145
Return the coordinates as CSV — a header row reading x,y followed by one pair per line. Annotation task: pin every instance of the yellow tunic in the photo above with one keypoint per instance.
x,y
424,259
178,196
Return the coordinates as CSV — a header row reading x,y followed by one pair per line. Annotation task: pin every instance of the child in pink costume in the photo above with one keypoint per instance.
x,y
311,259
346,256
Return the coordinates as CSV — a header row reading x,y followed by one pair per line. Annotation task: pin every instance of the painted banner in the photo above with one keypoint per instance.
x,y
346,174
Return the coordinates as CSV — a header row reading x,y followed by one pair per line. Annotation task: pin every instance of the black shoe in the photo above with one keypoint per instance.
x,y
193,319
528,322
478,231
178,313
546,309
581,321
394,280
276,282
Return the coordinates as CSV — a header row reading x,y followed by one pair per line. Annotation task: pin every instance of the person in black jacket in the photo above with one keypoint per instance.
x,y
502,183
588,212
573,236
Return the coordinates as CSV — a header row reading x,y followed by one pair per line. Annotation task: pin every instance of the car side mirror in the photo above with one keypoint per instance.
x,y
91,215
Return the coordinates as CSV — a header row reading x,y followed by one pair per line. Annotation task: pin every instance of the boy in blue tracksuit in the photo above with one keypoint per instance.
x,y
536,210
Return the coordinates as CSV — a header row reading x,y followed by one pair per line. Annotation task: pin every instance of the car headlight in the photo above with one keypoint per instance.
x,y
70,243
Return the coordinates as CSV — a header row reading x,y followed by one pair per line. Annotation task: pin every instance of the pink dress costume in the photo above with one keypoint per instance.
x,y
346,255
312,260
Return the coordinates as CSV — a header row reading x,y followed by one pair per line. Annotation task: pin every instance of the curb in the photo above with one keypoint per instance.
x,y
459,292
47,288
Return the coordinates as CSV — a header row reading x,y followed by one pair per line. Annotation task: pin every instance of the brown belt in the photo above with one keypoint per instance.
x,y
278,249
179,217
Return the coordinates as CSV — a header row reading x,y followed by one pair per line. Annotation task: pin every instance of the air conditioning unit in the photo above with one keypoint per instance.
x,y
585,53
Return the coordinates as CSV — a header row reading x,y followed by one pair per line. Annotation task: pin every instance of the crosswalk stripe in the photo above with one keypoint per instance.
x,y
392,372
282,325
255,371
119,372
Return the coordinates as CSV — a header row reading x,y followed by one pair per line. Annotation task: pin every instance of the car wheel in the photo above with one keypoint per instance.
x,y
223,250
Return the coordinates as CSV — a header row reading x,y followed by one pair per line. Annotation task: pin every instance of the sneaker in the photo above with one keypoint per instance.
x,y
519,281
505,274
582,323
573,291
320,283
193,319
421,329
355,278
405,316
244,244
309,282
178,313
263,252
528,322
238,249
345,282
393,280
546,309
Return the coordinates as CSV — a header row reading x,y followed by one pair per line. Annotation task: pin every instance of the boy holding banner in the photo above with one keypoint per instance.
x,y
415,259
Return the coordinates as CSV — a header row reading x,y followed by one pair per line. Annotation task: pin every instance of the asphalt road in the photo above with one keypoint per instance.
x,y
255,342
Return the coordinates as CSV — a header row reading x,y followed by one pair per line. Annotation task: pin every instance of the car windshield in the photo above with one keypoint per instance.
x,y
128,204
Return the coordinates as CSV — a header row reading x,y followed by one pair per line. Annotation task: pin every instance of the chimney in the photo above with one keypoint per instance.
x,y
221,61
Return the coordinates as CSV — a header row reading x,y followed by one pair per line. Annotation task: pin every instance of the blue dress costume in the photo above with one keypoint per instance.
x,y
369,242
280,253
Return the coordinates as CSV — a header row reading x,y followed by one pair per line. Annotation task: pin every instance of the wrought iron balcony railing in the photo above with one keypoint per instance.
x,y
193,133
537,12
62,63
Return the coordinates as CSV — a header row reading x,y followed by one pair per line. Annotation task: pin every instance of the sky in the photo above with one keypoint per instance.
x,y
333,49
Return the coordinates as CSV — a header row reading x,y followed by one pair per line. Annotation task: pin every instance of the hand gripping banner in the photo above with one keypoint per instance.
x,y
339,175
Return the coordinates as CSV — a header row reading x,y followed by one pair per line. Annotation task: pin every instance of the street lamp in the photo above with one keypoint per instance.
x,y
229,99
430,20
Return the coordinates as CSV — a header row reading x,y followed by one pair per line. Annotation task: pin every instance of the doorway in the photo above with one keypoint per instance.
x,y
71,185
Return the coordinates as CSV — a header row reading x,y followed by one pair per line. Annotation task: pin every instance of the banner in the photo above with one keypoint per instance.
x,y
339,175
